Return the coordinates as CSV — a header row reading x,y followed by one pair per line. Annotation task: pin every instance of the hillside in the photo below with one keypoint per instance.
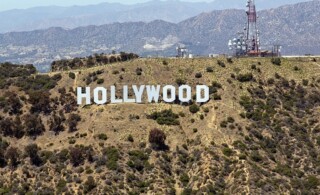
x,y
259,133
295,27
105,13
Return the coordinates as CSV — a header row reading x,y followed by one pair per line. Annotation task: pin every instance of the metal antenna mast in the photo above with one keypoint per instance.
x,y
253,40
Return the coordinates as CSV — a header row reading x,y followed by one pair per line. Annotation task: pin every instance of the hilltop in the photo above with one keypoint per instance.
x,y
259,133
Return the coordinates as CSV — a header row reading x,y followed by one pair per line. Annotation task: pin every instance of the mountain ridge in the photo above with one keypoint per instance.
x,y
291,26
74,16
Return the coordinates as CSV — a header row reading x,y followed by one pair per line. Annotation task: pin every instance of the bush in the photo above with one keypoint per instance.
x,y
224,124
40,101
227,151
102,136
73,122
72,75
229,60
210,69
184,178
164,62
76,156
89,184
139,71
138,160
255,156
222,64
130,138
198,75
12,155
32,151
305,82
245,77
115,72
56,124
276,61
33,125
112,157
165,117
230,120
194,108
157,139
100,81
312,182
180,81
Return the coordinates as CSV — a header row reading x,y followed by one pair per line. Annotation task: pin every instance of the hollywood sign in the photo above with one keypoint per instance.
x,y
168,93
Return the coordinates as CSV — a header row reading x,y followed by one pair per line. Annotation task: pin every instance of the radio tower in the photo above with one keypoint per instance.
x,y
253,41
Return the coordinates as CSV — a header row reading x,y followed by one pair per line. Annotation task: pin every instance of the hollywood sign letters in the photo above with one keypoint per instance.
x,y
168,93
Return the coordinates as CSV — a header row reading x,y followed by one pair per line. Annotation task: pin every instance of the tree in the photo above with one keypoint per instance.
x,y
56,124
157,139
32,151
76,156
89,185
33,125
12,155
14,103
73,122
40,101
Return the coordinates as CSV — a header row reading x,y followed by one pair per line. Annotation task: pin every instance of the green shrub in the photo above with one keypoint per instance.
x,y
180,81
164,62
227,151
230,120
229,60
165,117
245,77
138,160
198,75
255,156
130,138
194,108
112,157
72,75
89,185
224,124
209,69
312,182
222,64
139,71
102,136
100,81
184,178
276,61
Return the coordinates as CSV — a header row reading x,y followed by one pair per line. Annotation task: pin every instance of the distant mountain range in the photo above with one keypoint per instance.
x,y
295,27
106,13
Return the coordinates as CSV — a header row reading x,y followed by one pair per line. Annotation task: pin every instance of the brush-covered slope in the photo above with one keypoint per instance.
x,y
259,133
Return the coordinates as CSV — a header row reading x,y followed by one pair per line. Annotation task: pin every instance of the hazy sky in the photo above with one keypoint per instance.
x,y
22,4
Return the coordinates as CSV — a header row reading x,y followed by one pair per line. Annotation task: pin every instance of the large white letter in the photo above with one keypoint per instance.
x,y
153,93
205,90
126,95
103,95
81,95
188,92
113,96
138,93
165,93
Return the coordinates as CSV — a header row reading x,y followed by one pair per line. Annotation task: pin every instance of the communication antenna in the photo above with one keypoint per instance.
x,y
252,39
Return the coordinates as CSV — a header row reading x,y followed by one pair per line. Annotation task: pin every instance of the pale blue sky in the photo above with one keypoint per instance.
x,y
22,4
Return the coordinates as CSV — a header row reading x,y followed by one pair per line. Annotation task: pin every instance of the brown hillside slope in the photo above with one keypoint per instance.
x,y
259,134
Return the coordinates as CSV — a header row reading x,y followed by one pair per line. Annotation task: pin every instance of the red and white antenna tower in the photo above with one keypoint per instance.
x,y
253,40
